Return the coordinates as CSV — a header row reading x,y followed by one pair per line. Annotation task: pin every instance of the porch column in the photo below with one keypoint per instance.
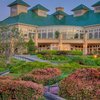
x,y
60,42
36,39
85,44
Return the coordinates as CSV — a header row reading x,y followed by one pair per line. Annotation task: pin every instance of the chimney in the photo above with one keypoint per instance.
x,y
59,9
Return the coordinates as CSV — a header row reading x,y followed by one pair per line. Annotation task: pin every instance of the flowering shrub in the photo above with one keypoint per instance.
x,y
42,76
20,90
6,77
84,84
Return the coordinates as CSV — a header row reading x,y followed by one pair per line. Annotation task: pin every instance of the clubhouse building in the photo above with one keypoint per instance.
x,y
58,31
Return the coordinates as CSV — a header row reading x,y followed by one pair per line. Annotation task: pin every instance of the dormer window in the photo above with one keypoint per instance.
x,y
40,10
96,7
17,7
80,10
60,13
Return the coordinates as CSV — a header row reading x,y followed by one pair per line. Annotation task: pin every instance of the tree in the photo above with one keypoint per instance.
x,y
31,46
10,39
57,34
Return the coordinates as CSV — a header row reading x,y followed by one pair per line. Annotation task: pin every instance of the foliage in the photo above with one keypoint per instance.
x,y
10,40
25,67
57,34
83,84
42,76
55,52
20,90
31,46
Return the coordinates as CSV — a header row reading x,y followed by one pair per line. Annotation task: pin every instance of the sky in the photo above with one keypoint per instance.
x,y
50,4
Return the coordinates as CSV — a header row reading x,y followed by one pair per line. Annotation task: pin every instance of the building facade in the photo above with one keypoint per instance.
x,y
58,31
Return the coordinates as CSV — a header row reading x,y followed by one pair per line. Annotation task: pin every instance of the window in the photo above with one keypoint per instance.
x,y
50,35
81,35
97,8
76,36
90,35
13,9
78,12
31,35
43,35
39,35
96,35
64,36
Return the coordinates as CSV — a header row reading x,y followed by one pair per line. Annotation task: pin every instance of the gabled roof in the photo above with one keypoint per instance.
x,y
80,7
39,7
18,2
60,13
96,4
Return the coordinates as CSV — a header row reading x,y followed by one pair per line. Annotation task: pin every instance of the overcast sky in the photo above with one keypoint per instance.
x,y
50,4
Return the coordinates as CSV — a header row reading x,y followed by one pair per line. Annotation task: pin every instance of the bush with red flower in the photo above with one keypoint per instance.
x,y
20,90
42,76
84,84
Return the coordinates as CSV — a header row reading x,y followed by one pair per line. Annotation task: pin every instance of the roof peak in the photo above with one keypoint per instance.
x,y
18,2
96,4
39,6
80,7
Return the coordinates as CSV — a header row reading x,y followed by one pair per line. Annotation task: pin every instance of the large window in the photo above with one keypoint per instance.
x,y
44,35
96,35
50,35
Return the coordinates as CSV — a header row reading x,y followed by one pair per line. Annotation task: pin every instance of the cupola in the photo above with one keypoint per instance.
x,y
17,7
96,7
60,13
80,10
40,10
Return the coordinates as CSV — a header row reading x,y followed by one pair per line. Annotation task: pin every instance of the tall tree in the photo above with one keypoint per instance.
x,y
31,46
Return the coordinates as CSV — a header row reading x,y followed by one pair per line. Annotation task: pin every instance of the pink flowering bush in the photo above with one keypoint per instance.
x,y
84,84
42,76
20,90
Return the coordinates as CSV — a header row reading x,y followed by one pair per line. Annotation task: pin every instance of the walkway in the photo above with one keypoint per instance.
x,y
29,58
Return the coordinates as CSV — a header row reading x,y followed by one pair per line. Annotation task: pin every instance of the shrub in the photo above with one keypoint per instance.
x,y
97,61
83,84
20,90
73,52
6,77
42,76
83,60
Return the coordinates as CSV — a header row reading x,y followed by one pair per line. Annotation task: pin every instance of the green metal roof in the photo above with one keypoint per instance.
x,y
96,4
80,7
31,18
60,13
18,2
39,7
